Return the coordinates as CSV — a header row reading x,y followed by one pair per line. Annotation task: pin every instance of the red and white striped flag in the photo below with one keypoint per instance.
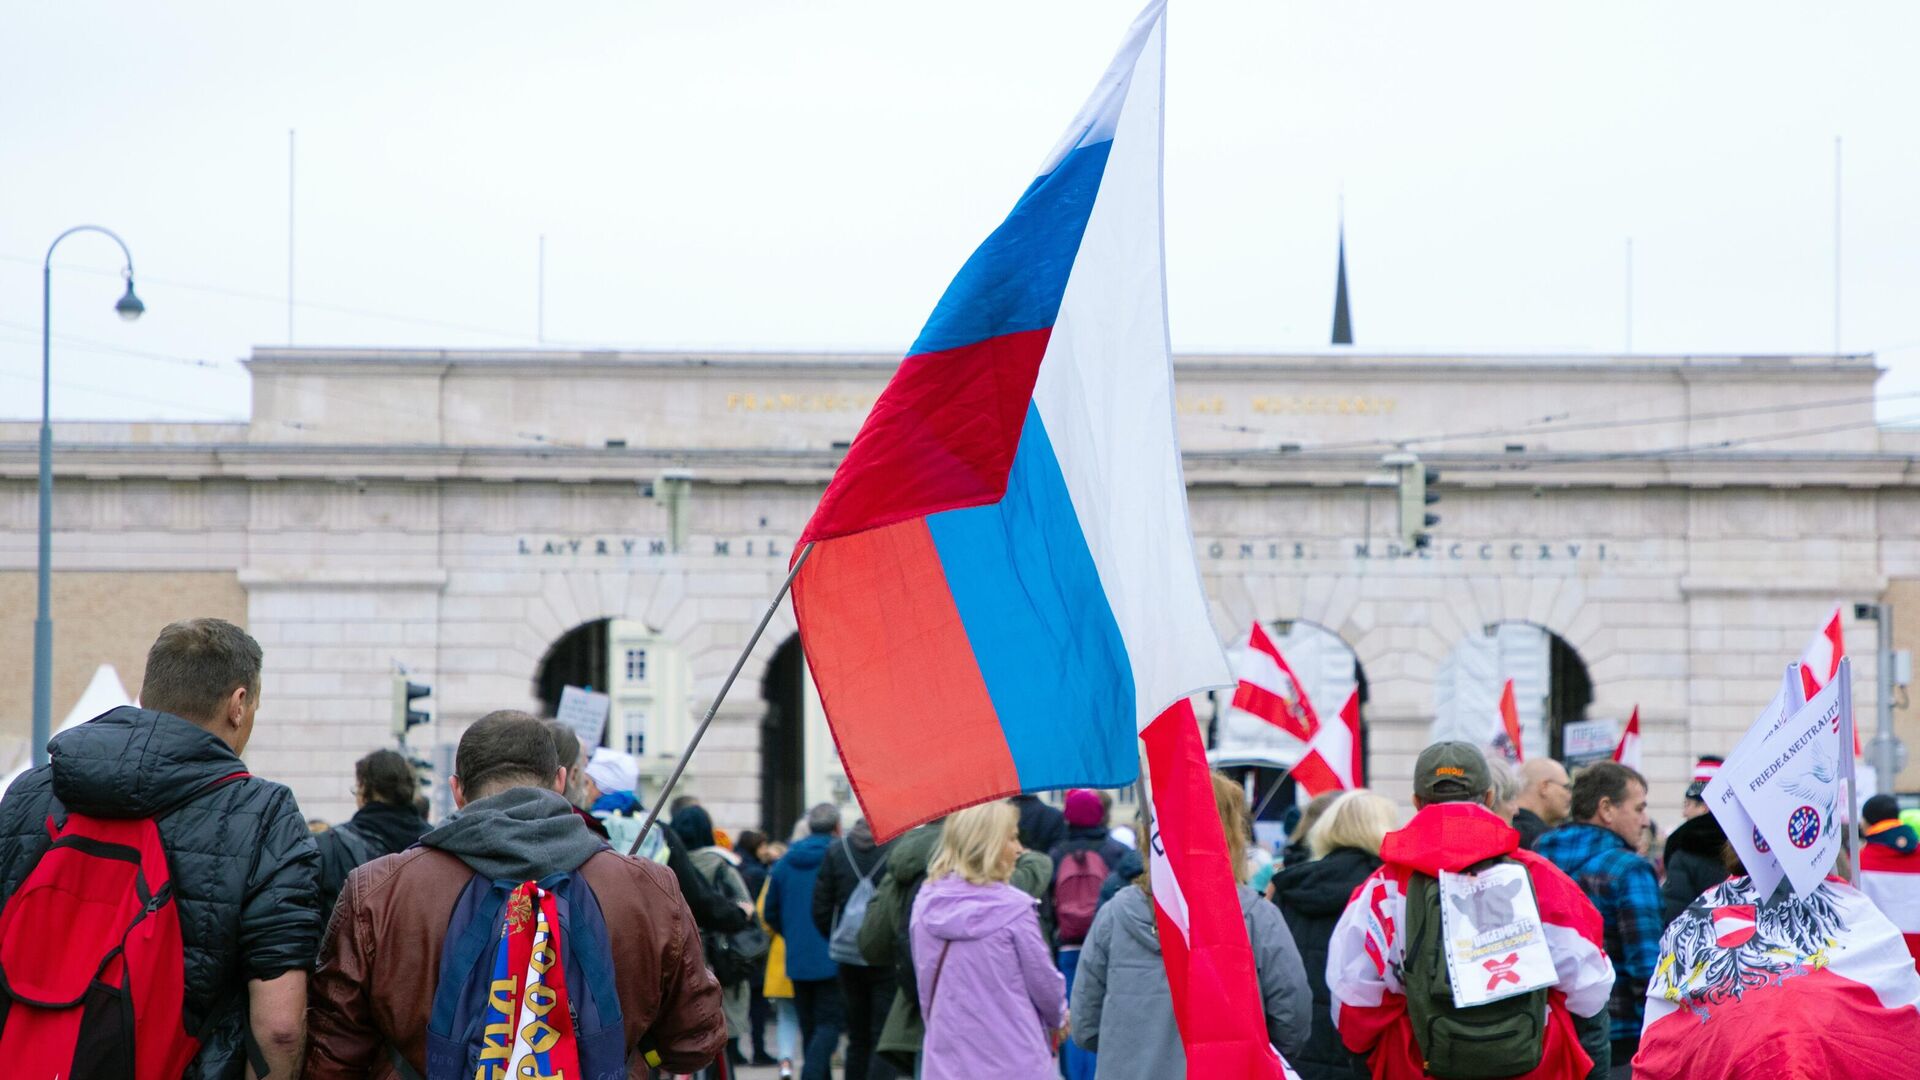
x,y
1333,761
1891,879
1628,752
1510,719
1270,690
1821,658
1203,940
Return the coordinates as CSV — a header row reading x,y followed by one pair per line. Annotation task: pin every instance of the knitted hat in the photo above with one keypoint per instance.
x,y
1083,808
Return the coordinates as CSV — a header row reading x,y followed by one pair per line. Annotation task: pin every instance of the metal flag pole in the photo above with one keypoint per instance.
x,y
686,755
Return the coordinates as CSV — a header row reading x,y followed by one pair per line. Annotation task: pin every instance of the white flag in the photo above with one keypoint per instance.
x,y
1756,854
1790,782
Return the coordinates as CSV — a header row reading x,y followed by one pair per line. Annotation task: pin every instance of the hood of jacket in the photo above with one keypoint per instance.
x,y
133,763
952,909
1449,836
1135,914
861,836
1700,835
395,827
1322,887
694,827
810,851
907,859
520,834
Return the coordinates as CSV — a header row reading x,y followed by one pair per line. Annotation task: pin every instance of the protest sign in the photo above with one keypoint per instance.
x,y
585,712
1586,741
1791,783
1495,945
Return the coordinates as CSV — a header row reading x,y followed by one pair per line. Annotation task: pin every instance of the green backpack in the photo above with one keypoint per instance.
x,y
1483,1042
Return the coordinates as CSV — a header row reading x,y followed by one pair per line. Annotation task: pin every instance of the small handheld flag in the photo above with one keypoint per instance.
x,y
1510,720
1628,751
1268,688
1333,759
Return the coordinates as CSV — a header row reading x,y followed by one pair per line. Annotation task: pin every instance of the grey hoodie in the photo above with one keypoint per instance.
x,y
1123,1010
521,834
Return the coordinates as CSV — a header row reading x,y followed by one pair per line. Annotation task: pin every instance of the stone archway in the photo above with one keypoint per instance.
x,y
1553,687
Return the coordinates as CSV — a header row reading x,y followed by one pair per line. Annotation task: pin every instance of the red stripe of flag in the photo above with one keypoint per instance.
x,y
1203,940
1510,718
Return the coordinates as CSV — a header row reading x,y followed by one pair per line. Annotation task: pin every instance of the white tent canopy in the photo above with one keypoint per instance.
x,y
104,692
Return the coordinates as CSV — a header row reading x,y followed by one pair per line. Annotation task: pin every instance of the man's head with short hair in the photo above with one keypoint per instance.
x,y
501,750
207,672
1614,797
1545,789
1451,772
823,820
572,757
1879,808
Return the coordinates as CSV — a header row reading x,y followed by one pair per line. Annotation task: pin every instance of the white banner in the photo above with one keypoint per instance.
x,y
585,712
1790,782
1495,945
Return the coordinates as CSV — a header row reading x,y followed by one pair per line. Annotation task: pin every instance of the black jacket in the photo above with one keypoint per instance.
x,y
1131,866
848,859
1529,825
244,868
1041,826
1693,861
1312,897
377,829
712,911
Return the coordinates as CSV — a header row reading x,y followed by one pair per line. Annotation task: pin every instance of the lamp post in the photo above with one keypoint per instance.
x,y
129,308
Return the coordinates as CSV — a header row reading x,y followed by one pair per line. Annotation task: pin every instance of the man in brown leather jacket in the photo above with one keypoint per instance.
x,y
371,995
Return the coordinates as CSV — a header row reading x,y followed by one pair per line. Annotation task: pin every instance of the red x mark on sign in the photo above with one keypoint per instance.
x,y
1502,970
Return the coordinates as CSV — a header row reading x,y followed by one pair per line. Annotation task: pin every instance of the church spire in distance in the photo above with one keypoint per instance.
x,y
1342,318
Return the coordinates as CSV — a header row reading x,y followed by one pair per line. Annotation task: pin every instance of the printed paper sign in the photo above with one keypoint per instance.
x,y
586,713
1791,782
1495,946
1589,740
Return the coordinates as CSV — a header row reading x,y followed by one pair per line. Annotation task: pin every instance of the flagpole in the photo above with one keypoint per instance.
x,y
686,755
1853,782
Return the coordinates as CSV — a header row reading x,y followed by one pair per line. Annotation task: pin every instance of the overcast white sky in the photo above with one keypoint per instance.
x,y
810,174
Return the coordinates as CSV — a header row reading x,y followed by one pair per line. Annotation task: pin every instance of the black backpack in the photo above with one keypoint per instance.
x,y
734,956
1501,1038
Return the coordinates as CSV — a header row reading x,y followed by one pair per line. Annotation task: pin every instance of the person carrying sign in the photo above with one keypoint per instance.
x,y
1394,952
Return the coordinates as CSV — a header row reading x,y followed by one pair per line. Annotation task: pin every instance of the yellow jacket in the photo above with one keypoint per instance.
x,y
777,984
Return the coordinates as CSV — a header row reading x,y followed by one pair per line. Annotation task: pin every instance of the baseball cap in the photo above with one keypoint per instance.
x,y
1451,772
1880,808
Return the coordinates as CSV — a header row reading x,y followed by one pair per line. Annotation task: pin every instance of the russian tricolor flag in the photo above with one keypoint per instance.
x,y
1002,588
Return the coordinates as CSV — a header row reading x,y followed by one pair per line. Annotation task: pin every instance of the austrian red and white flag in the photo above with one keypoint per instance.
x,y
1510,720
1628,751
1820,660
1891,879
1203,939
1267,687
1807,985
1333,759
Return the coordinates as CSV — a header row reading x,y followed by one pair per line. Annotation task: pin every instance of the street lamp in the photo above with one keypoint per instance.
x,y
129,308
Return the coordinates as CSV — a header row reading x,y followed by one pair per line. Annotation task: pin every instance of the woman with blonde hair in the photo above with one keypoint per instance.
x,y
993,1002
1122,1009
1345,848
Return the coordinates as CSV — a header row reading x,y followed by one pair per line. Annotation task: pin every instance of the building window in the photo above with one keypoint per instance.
x,y
636,665
635,721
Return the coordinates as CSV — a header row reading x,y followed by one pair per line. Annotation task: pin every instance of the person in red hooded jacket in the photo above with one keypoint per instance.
x,y
1452,829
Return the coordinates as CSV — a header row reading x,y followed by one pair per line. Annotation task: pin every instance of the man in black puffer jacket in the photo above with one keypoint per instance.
x,y
244,868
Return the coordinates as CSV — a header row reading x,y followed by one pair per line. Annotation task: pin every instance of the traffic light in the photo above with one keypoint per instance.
x,y
1415,481
405,716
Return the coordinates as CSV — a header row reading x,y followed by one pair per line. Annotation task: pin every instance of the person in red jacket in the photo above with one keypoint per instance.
x,y
1453,828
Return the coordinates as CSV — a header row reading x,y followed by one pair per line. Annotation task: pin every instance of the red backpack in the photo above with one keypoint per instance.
x,y
1076,893
92,972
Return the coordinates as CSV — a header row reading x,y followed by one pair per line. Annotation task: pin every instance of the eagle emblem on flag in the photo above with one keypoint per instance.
x,y
1721,946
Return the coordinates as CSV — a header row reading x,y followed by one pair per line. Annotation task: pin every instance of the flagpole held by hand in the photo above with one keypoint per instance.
x,y
706,721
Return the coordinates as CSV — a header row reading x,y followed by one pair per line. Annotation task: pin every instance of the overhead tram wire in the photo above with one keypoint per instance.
x,y
1601,458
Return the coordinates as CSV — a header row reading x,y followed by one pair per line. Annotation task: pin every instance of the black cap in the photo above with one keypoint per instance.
x,y
1451,772
1880,808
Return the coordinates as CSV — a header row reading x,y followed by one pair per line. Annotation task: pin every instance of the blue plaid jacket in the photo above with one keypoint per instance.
x,y
1622,885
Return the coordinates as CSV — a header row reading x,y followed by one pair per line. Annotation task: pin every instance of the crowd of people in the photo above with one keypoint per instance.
x,y
1014,939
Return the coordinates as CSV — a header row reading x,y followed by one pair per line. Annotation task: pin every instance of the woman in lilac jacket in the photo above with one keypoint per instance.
x,y
993,1001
